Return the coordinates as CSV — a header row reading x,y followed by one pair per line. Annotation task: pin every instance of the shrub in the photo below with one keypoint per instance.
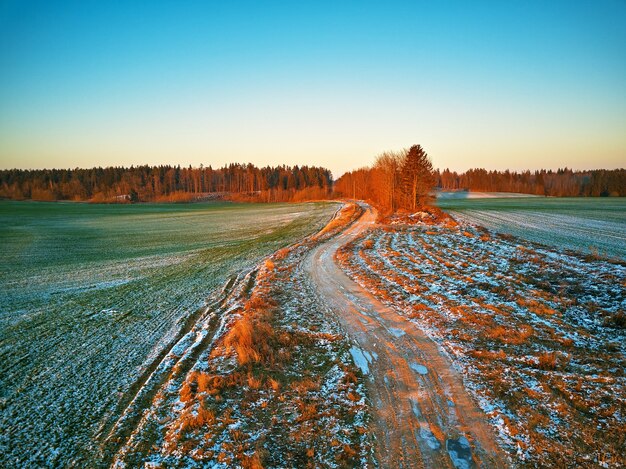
x,y
240,339
252,339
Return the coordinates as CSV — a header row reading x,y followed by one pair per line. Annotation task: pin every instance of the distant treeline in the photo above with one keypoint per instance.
x,y
167,183
404,180
393,182
560,183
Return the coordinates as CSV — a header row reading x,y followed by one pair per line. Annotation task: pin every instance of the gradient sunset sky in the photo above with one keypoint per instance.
x,y
497,84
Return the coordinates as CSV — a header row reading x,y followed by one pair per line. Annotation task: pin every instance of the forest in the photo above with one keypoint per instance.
x,y
390,183
397,180
168,183
561,183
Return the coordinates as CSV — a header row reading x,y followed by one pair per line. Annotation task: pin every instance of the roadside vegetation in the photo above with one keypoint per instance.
x,y
275,386
397,181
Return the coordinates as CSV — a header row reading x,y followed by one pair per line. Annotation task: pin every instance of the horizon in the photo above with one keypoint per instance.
x,y
95,85
335,178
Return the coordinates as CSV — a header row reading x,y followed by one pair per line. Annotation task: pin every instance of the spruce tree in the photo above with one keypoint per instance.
x,y
417,177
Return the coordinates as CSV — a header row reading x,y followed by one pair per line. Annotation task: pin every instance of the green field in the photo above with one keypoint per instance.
x,y
90,294
589,225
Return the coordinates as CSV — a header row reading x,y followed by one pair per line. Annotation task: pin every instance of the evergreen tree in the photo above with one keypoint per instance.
x,y
417,177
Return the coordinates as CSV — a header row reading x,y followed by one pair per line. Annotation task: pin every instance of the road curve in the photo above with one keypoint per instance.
x,y
423,416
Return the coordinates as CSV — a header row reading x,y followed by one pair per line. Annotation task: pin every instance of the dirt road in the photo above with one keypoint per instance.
x,y
423,415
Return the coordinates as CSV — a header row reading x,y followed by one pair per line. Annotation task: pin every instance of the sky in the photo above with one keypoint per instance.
x,y
495,84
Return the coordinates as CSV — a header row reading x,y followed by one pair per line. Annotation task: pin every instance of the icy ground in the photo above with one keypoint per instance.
x,y
92,296
538,333
265,377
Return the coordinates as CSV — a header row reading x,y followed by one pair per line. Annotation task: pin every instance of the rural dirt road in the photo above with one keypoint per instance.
x,y
423,416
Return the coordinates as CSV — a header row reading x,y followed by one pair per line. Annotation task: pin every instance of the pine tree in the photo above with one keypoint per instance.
x,y
417,177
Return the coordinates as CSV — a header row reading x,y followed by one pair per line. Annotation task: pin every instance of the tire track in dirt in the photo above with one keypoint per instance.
x,y
423,415
202,325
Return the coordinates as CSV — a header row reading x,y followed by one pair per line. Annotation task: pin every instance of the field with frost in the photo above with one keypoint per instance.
x,y
92,296
264,379
537,332
591,225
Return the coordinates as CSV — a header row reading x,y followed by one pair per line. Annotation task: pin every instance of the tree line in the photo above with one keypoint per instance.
x,y
167,183
561,183
405,180
397,180
401,180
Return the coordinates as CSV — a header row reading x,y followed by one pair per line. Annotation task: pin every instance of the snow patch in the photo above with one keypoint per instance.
x,y
397,332
428,436
421,369
360,359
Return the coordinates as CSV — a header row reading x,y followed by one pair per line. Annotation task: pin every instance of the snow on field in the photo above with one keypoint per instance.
x,y
457,195
597,236
537,333
591,225
93,296
271,385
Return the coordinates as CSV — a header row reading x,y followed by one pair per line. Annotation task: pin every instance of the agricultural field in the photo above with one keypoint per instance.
x,y
265,378
592,225
536,332
92,297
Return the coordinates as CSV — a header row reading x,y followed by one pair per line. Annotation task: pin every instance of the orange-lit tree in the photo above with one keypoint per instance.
x,y
417,177
398,180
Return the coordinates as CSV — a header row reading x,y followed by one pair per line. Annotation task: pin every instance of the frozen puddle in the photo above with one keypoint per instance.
x,y
460,452
362,359
416,408
425,433
428,436
397,332
421,369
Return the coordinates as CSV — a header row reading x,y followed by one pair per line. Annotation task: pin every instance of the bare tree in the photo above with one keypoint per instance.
x,y
387,169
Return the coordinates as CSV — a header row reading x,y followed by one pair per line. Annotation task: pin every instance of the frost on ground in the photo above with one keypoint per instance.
x,y
461,195
592,225
94,297
272,383
537,333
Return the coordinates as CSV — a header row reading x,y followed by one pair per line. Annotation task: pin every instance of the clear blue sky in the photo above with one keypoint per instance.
x,y
498,84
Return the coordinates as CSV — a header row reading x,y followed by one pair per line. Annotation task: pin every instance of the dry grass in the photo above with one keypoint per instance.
x,y
250,339
348,214
265,374
547,361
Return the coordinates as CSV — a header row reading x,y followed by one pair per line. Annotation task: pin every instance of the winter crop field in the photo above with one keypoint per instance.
x,y
590,225
90,296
